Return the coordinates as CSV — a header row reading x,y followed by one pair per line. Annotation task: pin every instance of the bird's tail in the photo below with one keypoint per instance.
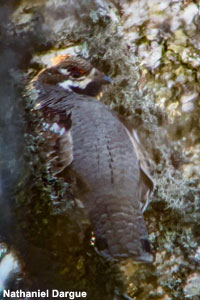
x,y
120,230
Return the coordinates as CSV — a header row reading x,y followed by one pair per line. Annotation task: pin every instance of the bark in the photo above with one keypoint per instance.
x,y
151,51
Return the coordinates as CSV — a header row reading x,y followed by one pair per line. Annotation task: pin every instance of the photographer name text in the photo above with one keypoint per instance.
x,y
44,294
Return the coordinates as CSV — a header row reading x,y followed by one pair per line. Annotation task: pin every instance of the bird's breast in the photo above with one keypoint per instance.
x,y
103,153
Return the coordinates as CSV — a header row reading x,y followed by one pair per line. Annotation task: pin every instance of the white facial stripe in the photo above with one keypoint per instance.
x,y
93,72
66,84
64,71
81,84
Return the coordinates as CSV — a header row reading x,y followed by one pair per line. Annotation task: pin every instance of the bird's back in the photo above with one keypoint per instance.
x,y
107,165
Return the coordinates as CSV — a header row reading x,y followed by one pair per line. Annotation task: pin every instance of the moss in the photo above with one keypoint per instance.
x,y
151,99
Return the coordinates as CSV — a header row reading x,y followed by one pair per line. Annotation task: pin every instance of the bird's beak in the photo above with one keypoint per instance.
x,y
106,80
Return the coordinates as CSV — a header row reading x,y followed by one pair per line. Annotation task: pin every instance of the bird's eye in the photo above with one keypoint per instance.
x,y
75,72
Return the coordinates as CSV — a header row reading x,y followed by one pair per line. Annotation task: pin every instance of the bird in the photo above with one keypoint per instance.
x,y
90,139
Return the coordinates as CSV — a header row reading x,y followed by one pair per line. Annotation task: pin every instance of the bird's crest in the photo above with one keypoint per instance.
x,y
60,58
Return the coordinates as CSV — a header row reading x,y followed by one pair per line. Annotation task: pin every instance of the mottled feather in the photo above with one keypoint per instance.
x,y
105,159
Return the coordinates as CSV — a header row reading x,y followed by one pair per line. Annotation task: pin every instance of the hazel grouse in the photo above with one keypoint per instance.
x,y
98,147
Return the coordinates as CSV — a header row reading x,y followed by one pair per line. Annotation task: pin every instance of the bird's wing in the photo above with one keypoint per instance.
x,y
58,139
146,183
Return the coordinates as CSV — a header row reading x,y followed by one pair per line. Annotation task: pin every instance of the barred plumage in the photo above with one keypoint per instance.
x,y
103,157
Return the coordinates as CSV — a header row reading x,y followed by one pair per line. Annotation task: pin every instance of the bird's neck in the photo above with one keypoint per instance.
x,y
49,95
56,98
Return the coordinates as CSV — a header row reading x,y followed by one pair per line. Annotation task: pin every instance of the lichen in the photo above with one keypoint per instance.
x,y
160,96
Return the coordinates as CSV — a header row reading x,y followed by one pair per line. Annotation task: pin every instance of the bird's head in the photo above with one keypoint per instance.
x,y
73,74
